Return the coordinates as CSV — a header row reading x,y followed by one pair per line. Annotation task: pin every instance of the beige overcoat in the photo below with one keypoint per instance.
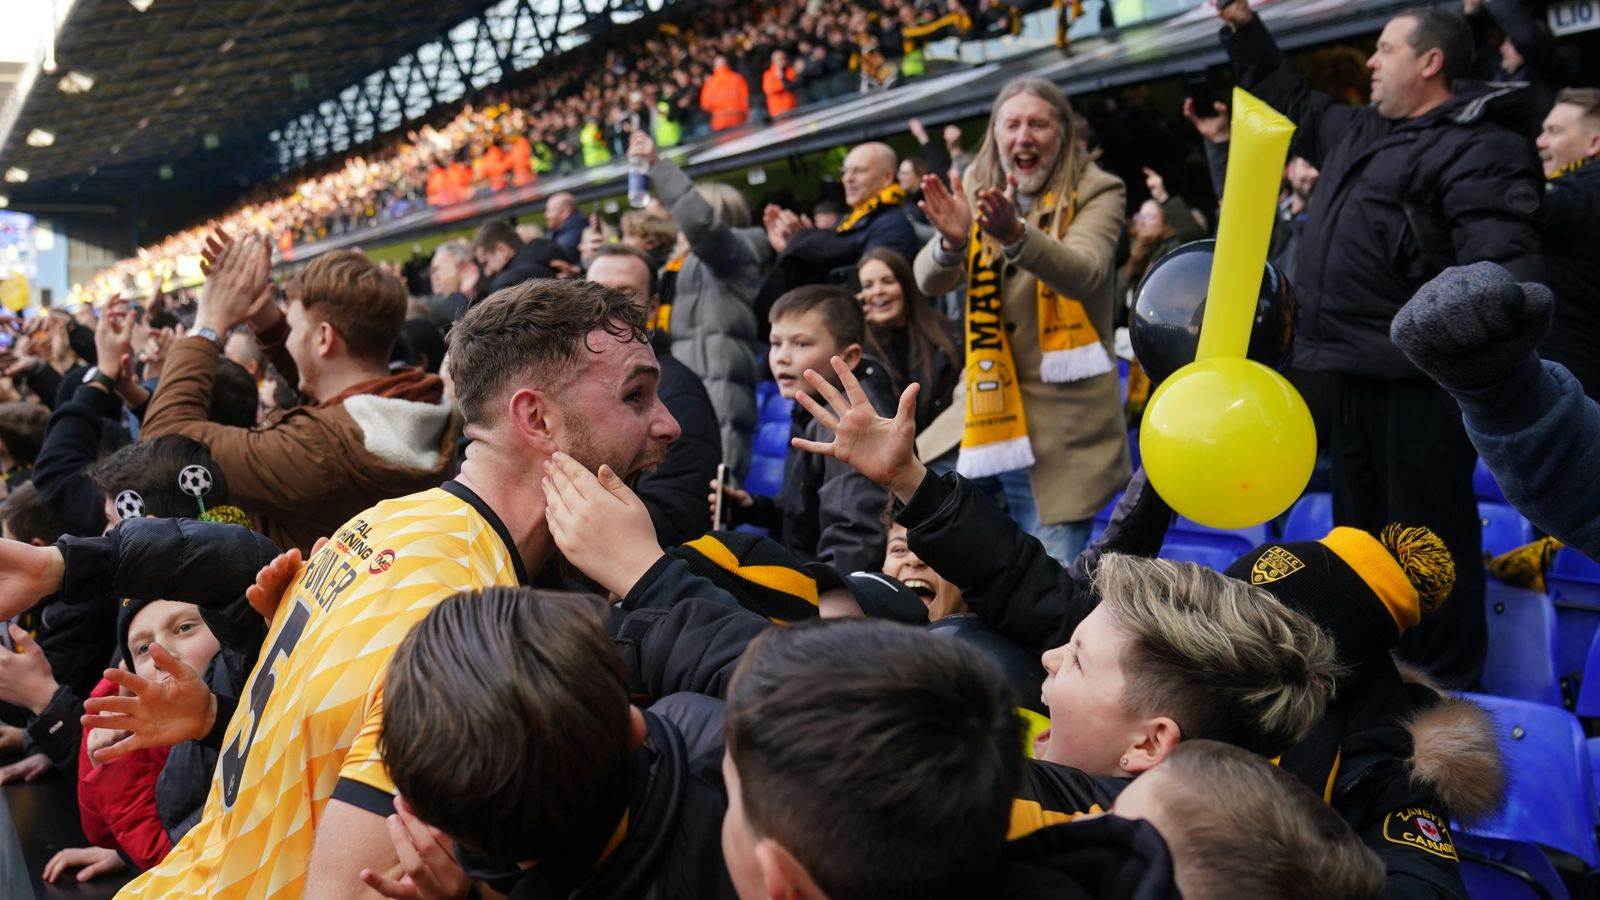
x,y
1076,428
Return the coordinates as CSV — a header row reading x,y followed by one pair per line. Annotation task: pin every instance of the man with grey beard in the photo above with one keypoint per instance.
x,y
1032,228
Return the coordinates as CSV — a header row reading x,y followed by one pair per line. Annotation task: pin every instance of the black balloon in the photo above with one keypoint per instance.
x,y
1164,323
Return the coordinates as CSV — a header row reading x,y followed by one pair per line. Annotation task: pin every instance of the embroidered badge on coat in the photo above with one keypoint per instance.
x,y
1420,828
1275,564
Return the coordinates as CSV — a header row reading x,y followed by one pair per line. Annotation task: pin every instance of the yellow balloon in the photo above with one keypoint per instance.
x,y
1227,442
14,292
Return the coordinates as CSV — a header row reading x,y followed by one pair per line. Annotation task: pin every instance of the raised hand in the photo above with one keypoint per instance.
x,y
640,144
997,213
1155,185
96,861
113,337
471,274
427,859
1235,12
1472,325
781,224
237,285
273,581
599,525
160,713
882,449
28,574
947,210
1217,129
915,126
25,676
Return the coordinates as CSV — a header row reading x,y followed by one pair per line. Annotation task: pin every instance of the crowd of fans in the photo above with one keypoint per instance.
x,y
464,591
676,75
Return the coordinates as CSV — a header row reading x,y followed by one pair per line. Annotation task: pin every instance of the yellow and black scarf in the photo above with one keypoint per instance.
x,y
994,438
1569,168
889,196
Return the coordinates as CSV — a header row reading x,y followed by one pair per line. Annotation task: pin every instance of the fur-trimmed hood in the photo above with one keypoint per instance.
x,y
1455,752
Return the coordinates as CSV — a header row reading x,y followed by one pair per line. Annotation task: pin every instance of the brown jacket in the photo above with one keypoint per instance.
x,y
1079,439
303,473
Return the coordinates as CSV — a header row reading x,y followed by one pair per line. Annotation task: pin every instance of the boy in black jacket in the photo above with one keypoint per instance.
x,y
828,513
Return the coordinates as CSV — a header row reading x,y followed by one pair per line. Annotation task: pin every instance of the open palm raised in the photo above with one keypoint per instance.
x,y
881,449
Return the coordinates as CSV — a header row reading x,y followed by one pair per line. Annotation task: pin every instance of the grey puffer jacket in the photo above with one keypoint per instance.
x,y
713,326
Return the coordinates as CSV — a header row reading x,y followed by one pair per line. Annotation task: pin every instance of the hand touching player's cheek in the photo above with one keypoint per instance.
x,y
599,525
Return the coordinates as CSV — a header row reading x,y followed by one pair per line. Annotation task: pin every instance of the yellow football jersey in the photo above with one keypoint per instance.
x,y
310,714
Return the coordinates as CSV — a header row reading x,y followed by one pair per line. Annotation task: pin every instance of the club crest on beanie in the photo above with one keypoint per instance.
x,y
1364,590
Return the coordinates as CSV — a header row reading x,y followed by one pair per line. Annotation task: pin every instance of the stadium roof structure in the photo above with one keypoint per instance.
x,y
184,97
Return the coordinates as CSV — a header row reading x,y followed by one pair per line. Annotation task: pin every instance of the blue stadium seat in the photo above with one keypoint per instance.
x,y
1588,704
775,408
1577,626
1521,662
1103,517
1484,485
1575,566
1310,519
772,439
1549,798
1237,541
1209,555
1135,457
1503,528
1574,584
1507,870
766,475
765,391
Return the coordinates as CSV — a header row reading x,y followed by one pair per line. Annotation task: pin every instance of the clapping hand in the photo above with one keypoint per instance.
x,y
237,284
947,210
881,449
781,224
997,213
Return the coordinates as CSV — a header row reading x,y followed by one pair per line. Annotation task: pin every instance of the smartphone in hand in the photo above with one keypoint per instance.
x,y
1200,89
718,506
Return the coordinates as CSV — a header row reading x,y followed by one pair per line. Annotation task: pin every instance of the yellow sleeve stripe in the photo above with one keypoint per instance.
x,y
777,578
1027,816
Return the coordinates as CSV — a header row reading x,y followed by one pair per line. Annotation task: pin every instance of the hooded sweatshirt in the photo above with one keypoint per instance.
x,y
304,472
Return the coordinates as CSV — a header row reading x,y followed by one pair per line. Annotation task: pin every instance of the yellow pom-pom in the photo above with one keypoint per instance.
x,y
1425,560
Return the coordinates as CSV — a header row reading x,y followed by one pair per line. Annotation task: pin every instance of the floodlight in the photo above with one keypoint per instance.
x,y
141,5
40,138
16,175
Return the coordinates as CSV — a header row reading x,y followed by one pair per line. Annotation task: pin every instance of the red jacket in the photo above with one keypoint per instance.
x,y
117,801
727,98
776,85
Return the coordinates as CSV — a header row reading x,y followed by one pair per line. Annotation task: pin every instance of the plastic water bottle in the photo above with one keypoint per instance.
x,y
638,182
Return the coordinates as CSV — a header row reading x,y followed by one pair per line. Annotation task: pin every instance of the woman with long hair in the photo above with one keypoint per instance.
x,y
915,342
